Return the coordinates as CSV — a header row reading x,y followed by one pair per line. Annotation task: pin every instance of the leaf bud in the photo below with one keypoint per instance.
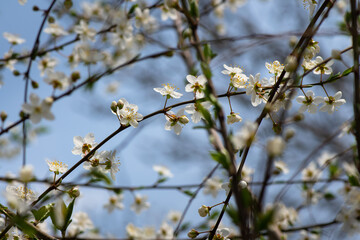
x,y
193,234
3,116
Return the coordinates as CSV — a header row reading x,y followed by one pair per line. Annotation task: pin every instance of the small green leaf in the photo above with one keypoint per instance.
x,y
206,70
264,220
329,196
132,9
194,9
233,214
97,176
43,213
354,181
189,193
347,72
221,158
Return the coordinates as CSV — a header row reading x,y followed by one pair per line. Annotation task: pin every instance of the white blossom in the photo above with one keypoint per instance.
x,y
163,171
140,203
309,102
212,186
331,103
245,136
115,202
55,30
196,85
168,91
129,115
13,38
196,115
84,31
38,110
233,118
83,145
175,121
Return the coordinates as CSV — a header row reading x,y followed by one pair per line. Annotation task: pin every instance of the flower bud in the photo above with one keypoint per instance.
x,y
204,211
120,104
299,117
16,73
49,101
34,84
26,173
336,54
193,234
75,76
3,116
291,63
113,107
292,41
275,146
74,192
243,184
184,119
289,133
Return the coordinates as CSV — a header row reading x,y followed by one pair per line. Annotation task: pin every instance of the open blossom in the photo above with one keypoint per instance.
x,y
57,80
310,4
323,68
140,204
168,91
326,158
144,19
166,231
332,103
84,31
81,222
38,110
128,114
255,89
46,63
212,186
174,216
283,216
97,161
111,164
13,39
115,202
309,102
222,234
275,67
83,145
57,167
275,146
237,78
245,136
233,118
311,172
196,85
163,171
175,121
18,196
312,49
196,115
55,30
280,167
167,11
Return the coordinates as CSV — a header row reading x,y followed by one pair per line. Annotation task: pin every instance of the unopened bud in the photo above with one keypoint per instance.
x,y
49,101
292,41
74,192
75,76
51,19
275,146
113,107
204,211
120,104
34,84
68,4
3,116
193,234
184,119
291,63
26,173
16,73
298,117
289,133
336,54
243,184
35,8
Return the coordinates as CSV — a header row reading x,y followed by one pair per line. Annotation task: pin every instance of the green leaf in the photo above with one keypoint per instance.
x,y
189,193
43,213
69,211
347,72
206,70
233,214
206,114
354,181
329,196
221,158
25,227
97,176
208,53
264,219
132,9
194,9
57,214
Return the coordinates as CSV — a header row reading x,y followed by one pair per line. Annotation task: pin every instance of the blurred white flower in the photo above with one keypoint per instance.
x,y
58,80
212,186
38,110
84,31
26,173
196,115
245,136
311,172
233,118
140,203
115,202
275,146
55,30
13,38
163,171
